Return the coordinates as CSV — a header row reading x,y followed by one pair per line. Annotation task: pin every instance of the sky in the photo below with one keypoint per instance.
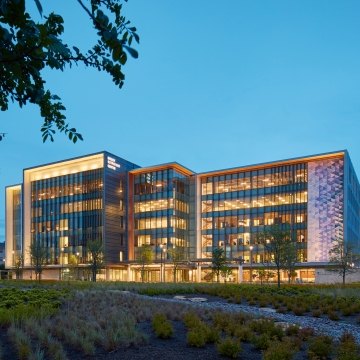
x,y
218,84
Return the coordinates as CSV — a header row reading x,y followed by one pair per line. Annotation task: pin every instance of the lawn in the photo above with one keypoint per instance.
x,y
113,321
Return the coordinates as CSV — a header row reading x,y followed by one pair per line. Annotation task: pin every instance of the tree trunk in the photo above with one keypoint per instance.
x,y
94,275
278,278
343,277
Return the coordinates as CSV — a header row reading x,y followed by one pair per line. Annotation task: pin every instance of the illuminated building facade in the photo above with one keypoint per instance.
x,y
174,211
63,206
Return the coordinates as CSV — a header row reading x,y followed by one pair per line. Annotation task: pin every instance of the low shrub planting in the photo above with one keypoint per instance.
x,y
21,341
229,347
196,337
191,320
348,349
279,351
320,348
81,320
162,326
261,342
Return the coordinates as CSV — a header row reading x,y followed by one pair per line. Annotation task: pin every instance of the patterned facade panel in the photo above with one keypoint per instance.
x,y
325,206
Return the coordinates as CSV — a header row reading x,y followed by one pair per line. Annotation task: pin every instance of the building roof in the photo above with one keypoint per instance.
x,y
334,154
172,165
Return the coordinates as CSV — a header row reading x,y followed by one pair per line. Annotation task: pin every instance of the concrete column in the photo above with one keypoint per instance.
x,y
129,278
240,274
198,275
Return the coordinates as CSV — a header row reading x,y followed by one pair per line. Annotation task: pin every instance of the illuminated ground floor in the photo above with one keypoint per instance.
x,y
201,272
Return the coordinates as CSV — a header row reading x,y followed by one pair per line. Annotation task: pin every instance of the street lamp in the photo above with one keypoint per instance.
x,y
251,249
161,261
163,251
62,255
77,264
62,262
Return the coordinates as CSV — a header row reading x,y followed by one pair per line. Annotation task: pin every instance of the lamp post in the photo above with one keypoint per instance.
x,y
251,249
77,264
161,262
62,262
164,272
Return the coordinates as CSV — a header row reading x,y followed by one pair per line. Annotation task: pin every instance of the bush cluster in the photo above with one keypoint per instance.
x,y
162,326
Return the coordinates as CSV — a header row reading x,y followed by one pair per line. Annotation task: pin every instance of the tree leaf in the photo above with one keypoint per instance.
x,y
131,51
39,7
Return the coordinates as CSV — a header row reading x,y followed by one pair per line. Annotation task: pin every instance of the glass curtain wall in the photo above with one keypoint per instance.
x,y
17,224
161,211
235,207
66,213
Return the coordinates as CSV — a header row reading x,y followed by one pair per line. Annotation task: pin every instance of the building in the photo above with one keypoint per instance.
x,y
175,211
2,253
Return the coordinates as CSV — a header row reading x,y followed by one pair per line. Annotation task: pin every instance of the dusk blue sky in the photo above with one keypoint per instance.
x,y
218,84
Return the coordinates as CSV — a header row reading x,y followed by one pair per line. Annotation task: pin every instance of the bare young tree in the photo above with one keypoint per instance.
x,y
19,266
225,272
38,255
176,255
218,261
341,258
95,257
145,257
276,240
290,259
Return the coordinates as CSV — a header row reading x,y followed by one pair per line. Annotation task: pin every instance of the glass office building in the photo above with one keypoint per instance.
x,y
166,207
66,205
160,208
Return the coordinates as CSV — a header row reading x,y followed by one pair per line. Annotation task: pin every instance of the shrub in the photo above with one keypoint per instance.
x,y
196,337
191,320
292,330
316,313
37,355
229,347
333,316
243,333
348,348
320,347
21,341
305,333
279,351
261,342
298,310
212,334
162,326
267,327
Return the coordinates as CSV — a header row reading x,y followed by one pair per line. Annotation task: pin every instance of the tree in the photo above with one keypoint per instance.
x,y
261,274
176,255
275,240
290,259
27,48
38,255
218,261
225,272
145,257
341,258
95,257
19,266
73,262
